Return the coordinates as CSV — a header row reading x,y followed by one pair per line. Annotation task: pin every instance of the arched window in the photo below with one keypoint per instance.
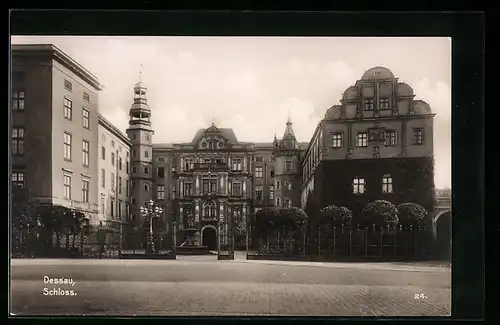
x,y
209,210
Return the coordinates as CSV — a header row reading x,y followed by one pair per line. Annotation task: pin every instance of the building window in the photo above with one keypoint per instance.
x,y
236,189
146,154
278,185
103,178
18,179
133,153
18,141
271,192
119,185
160,159
112,207
288,165
86,97
133,201
85,190
278,203
271,173
134,169
103,207
146,170
287,204
258,192
362,139
85,116
257,210
418,136
387,183
160,192
384,103
205,185
127,210
113,182
161,172
213,186
67,146
112,158
258,172
188,189
358,185
134,136
337,140
127,187
85,149
146,188
237,164
113,143
119,209
146,136
18,100
188,164
127,167
103,153
258,158
67,187
289,186
368,104
209,210
68,108
68,85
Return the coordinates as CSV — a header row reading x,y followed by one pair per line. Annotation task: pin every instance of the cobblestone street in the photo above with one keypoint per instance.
x,y
205,286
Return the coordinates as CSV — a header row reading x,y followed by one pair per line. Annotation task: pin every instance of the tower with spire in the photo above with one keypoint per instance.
x,y
287,169
140,134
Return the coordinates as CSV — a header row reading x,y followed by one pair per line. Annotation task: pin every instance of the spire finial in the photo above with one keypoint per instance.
x,y
140,73
288,118
213,119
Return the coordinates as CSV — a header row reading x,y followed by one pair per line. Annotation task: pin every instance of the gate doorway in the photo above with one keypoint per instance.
x,y
444,235
209,237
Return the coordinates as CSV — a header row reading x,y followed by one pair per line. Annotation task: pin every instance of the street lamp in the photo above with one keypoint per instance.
x,y
150,210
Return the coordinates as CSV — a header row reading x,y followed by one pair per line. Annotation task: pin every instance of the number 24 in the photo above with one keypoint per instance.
x,y
420,296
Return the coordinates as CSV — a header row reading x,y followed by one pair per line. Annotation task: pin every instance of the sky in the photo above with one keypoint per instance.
x,y
252,84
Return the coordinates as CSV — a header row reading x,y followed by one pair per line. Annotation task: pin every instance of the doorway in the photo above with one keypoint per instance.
x,y
209,237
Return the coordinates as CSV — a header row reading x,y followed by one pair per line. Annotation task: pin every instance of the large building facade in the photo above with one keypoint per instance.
x,y
54,128
378,144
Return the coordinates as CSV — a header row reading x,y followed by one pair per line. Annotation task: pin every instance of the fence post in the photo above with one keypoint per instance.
x,y
82,234
319,241
381,241
334,240
366,241
247,238
303,242
120,247
350,242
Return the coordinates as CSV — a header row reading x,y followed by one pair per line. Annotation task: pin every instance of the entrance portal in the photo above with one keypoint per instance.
x,y
209,238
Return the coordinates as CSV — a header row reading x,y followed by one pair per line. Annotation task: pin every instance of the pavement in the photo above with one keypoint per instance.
x,y
201,285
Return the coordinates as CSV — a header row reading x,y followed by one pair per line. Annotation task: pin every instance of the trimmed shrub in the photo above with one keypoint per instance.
x,y
380,213
412,214
335,216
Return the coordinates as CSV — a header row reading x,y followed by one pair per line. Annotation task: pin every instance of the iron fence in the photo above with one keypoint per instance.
x,y
336,243
226,240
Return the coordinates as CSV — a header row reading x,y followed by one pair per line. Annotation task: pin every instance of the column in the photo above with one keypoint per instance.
x,y
182,164
221,210
181,217
403,138
226,176
244,184
181,188
229,163
221,183
376,100
244,213
244,163
197,185
197,211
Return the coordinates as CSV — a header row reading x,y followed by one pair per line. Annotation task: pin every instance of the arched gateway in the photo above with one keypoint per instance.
x,y
209,237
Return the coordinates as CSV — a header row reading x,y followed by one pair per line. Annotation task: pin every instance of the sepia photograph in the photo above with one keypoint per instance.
x,y
230,176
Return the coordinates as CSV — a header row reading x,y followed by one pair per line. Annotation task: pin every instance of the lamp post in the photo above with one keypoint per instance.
x,y
150,210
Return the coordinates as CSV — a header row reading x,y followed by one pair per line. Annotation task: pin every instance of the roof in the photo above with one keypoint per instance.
x,y
377,73
61,57
113,129
224,132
